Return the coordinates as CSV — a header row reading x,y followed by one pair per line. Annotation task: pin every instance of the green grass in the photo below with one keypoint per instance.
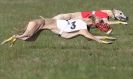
x,y
52,57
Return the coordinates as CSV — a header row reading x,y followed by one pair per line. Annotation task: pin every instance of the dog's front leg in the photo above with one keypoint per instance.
x,y
117,22
113,22
87,34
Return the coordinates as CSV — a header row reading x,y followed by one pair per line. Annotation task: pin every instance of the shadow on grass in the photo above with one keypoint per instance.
x,y
35,36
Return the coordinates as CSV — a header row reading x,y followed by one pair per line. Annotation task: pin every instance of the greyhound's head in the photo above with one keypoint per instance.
x,y
119,15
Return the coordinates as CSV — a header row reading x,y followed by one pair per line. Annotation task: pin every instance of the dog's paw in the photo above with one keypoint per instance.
x,y
120,22
109,38
106,42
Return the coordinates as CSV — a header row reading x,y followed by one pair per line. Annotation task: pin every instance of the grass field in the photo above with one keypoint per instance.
x,y
52,57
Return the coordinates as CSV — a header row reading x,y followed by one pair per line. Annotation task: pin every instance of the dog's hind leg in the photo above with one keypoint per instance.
x,y
12,40
7,40
32,28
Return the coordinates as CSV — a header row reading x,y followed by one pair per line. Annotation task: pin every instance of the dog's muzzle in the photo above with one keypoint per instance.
x,y
124,19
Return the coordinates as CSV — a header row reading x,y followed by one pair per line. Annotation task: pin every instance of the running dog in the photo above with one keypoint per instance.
x,y
64,28
105,15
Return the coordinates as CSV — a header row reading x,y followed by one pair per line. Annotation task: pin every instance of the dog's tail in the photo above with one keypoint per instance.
x,y
42,17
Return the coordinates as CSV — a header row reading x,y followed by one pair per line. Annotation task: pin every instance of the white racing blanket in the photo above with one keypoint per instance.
x,y
70,25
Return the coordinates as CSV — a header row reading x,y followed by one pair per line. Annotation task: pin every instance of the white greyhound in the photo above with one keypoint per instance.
x,y
64,28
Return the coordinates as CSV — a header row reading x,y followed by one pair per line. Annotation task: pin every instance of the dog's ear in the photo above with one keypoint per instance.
x,y
115,9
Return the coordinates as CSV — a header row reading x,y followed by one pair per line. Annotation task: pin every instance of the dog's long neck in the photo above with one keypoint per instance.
x,y
109,12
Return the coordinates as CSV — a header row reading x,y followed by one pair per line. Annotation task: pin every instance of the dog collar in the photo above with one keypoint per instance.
x,y
113,15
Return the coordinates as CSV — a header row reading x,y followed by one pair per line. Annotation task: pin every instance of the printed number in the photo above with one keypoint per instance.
x,y
73,25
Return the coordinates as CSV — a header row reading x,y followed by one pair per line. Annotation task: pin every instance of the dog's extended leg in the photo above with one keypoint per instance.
x,y
32,28
117,22
105,38
8,40
87,34
11,40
